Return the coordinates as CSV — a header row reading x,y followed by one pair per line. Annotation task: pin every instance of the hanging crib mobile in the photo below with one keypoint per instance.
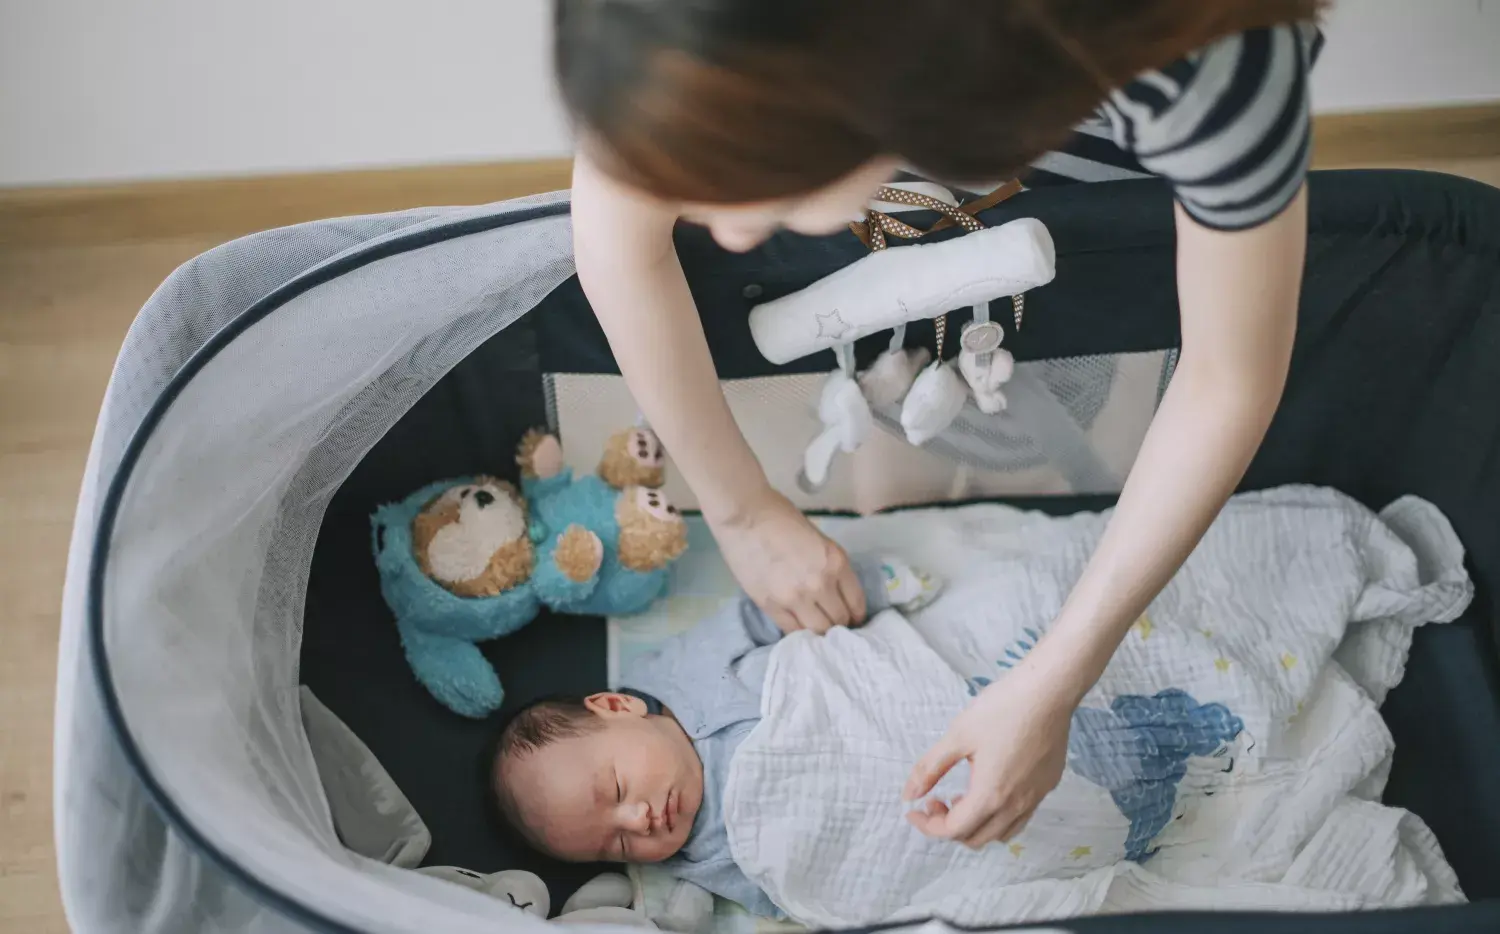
x,y
887,290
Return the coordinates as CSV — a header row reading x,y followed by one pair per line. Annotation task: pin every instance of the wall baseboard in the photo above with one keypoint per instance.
x,y
1384,137
228,207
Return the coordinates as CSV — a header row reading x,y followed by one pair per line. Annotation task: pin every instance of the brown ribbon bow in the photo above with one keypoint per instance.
x,y
872,231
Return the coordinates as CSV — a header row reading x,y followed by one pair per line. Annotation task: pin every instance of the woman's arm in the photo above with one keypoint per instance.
x,y
1238,293
629,269
630,272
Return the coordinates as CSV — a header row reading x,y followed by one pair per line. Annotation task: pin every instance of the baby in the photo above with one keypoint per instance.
x,y
638,775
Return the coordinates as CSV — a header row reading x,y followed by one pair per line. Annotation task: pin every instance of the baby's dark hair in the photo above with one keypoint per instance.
x,y
533,727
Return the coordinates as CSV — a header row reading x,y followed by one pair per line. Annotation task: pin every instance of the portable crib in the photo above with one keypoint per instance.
x,y
275,389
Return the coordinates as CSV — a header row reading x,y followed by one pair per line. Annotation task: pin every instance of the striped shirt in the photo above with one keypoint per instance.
x,y
1228,127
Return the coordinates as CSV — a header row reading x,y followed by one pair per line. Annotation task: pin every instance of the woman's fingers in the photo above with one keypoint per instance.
x,y
943,821
928,819
784,619
832,606
936,820
853,595
1018,825
967,816
988,832
1003,827
932,767
811,616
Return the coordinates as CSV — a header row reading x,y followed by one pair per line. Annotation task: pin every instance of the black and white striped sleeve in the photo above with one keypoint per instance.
x,y
1229,127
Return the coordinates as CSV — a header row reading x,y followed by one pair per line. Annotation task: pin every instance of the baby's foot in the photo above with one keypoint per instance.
x,y
540,456
579,554
908,588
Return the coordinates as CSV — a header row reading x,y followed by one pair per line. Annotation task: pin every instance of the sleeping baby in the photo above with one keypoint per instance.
x,y
1231,755
638,775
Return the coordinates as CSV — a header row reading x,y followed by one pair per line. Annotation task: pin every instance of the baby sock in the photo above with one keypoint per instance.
x,y
907,588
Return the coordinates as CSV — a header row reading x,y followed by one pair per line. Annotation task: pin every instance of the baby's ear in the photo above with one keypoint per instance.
x,y
611,704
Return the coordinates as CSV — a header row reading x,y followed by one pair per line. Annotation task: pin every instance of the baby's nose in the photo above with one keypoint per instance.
x,y
638,818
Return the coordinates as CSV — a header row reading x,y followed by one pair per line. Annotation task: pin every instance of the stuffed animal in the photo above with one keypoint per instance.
x,y
886,290
637,531
469,560
605,899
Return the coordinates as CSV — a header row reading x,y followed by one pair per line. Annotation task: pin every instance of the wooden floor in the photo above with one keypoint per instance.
x,y
63,312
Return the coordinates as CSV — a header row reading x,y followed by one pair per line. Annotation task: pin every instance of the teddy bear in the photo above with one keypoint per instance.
x,y
636,531
469,560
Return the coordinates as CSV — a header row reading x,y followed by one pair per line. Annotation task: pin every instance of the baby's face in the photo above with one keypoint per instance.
x,y
626,792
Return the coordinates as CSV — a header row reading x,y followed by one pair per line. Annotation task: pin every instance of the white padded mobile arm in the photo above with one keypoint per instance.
x,y
891,287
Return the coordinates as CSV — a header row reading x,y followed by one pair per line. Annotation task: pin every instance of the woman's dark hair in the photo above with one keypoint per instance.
x,y
721,101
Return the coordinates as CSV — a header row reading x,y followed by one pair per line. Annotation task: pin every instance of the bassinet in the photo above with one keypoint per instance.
x,y
284,383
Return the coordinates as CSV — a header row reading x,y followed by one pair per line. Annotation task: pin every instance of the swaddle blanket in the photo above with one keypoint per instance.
x,y
1232,756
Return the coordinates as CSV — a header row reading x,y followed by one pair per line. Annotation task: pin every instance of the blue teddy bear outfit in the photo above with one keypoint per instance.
x,y
439,629
560,501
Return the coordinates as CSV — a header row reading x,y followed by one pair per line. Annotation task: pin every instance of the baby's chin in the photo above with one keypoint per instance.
x,y
690,794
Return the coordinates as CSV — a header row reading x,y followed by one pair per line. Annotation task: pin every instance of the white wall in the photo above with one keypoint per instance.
x,y
97,90
1408,53
125,89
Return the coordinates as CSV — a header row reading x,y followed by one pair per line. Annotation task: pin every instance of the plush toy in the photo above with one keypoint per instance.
x,y
464,561
605,899
636,531
886,290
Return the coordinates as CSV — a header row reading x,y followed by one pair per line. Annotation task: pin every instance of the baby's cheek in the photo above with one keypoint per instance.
x,y
659,849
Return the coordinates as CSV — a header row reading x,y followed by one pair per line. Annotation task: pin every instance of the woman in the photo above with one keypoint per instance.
x,y
749,115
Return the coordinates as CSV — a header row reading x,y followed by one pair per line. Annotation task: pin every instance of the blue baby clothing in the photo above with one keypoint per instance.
x,y
710,678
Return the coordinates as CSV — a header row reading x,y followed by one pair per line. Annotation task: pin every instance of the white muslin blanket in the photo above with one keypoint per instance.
x,y
1232,756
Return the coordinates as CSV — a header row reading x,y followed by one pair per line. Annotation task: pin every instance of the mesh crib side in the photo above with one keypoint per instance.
x,y
122,866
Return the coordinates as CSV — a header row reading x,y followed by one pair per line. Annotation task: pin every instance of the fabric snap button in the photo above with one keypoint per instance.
x,y
753,291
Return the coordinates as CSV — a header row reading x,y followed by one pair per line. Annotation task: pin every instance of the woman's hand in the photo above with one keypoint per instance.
x,y
630,272
1015,736
801,578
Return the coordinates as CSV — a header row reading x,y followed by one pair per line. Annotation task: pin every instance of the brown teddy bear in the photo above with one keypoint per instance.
x,y
476,539
462,562
622,501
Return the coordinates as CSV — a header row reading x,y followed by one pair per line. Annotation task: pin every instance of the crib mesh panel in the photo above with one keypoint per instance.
x,y
120,869
1073,426
219,523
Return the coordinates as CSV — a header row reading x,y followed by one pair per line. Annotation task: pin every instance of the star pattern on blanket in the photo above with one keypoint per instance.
x,y
1288,661
1222,664
1016,849
832,325
1138,751
1079,852
1145,627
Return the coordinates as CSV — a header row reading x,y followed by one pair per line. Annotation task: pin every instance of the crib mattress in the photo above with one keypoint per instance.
x,y
1445,715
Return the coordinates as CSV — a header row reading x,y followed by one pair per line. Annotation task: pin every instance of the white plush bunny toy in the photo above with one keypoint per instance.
x,y
885,291
604,899
608,898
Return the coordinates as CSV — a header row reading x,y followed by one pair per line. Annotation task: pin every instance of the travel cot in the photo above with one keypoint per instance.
x,y
276,389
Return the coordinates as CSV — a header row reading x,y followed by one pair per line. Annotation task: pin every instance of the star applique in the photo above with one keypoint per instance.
x,y
1296,716
1016,849
1207,633
1288,661
1144,626
1222,664
832,325
1079,852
